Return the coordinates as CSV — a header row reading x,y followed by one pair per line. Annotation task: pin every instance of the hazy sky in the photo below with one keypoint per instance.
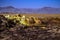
x,y
30,3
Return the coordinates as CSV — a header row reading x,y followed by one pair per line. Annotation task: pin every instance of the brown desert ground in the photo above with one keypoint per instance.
x,y
46,28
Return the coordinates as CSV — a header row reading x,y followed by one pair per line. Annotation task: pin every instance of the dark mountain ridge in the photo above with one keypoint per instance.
x,y
48,10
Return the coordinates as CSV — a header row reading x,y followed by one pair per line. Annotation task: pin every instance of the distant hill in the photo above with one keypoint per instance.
x,y
48,10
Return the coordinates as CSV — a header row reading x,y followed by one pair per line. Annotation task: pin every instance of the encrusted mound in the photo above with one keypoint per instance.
x,y
15,28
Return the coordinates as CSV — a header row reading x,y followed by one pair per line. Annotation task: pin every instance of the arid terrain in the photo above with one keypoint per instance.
x,y
35,15
29,19
29,26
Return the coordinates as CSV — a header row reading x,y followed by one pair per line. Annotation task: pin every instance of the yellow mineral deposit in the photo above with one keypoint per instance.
x,y
24,20
7,16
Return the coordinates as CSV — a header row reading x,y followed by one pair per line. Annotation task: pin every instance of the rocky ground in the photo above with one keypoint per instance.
x,y
12,31
30,33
